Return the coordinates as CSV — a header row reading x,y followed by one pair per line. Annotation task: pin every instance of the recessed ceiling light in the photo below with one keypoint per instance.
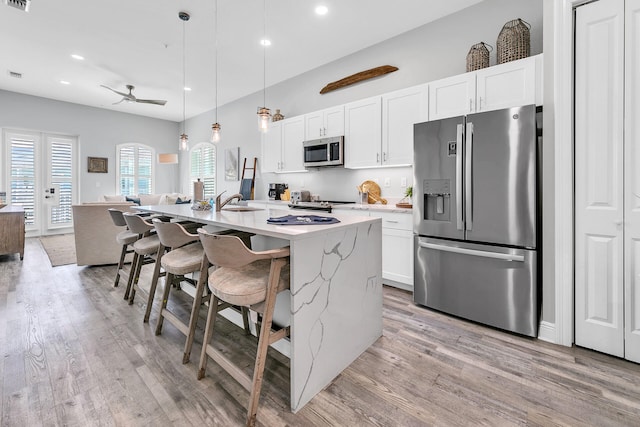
x,y
322,10
64,82
78,57
265,42
187,89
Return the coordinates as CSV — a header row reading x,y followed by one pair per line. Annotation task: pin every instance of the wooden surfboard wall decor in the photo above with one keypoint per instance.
x,y
358,77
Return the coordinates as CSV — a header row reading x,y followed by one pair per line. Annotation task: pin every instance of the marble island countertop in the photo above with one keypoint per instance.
x,y
255,221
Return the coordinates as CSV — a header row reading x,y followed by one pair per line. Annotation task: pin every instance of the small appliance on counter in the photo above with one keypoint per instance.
x,y
276,191
300,196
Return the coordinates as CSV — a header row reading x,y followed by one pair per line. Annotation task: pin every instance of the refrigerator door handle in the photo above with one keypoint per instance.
x,y
474,252
459,150
468,176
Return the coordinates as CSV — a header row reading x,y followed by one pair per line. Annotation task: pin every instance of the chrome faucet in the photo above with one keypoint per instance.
x,y
220,204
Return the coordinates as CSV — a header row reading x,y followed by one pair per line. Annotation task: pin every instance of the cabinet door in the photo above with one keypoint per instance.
x,y
292,137
632,182
599,95
453,96
313,125
397,248
506,85
363,133
400,111
334,121
272,148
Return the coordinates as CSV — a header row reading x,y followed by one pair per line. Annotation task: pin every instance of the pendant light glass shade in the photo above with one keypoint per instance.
x,y
184,139
264,115
215,132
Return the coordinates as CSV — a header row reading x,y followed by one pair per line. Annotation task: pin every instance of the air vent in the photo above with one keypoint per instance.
x,y
19,4
16,75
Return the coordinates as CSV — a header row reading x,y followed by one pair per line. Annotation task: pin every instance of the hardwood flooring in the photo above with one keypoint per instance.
x,y
74,353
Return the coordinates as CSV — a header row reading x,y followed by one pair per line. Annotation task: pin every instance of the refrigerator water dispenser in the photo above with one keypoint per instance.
x,y
437,199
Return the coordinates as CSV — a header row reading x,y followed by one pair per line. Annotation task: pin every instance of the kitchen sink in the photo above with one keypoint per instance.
x,y
241,208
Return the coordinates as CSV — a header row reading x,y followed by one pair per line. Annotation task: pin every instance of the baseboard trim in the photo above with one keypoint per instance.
x,y
547,332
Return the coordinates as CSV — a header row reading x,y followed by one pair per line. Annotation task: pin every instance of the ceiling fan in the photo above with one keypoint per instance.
x,y
129,97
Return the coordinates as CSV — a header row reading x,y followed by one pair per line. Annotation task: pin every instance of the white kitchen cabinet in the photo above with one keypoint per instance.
x,y
453,96
324,123
272,148
363,133
397,245
282,146
400,111
501,86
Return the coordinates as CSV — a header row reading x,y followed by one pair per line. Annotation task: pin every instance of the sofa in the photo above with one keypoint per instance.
x,y
149,199
95,234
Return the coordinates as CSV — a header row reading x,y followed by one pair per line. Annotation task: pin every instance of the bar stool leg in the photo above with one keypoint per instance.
x,y
134,266
168,281
154,283
264,341
195,309
208,332
136,277
123,254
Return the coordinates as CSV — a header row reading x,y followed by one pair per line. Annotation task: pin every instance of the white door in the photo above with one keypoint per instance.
x,y
40,177
632,181
599,110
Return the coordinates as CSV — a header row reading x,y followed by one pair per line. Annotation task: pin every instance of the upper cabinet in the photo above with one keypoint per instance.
x,y
325,123
400,111
282,146
501,86
363,133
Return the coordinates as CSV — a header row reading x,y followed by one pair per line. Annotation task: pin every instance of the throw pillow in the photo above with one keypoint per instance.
x,y
135,200
179,201
113,198
150,199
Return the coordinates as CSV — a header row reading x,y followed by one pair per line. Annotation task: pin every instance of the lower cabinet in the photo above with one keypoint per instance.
x,y
397,246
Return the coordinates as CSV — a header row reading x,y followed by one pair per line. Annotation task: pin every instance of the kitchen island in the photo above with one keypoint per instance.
x,y
335,303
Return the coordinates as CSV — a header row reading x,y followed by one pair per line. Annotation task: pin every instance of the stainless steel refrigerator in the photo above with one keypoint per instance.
x,y
476,218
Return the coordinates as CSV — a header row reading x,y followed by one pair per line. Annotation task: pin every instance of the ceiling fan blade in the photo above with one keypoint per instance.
x,y
113,90
122,100
152,101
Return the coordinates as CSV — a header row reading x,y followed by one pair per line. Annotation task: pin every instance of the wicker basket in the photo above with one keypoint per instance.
x,y
514,41
478,56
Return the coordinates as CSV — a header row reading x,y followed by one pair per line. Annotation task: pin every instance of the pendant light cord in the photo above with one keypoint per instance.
x,y
184,76
264,54
216,58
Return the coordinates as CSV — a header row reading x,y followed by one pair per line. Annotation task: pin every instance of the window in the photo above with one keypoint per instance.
x,y
61,177
23,174
135,169
203,166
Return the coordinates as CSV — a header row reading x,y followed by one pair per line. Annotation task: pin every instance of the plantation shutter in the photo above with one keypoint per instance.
x,y
61,176
23,176
203,166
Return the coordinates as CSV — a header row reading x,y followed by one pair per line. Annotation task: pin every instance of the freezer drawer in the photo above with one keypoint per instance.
x,y
492,285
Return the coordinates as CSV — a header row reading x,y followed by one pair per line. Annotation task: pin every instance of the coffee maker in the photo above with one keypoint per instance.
x,y
276,190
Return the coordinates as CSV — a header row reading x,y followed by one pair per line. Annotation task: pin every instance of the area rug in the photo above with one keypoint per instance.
x,y
61,249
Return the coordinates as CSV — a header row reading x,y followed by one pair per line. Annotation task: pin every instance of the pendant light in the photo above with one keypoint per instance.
x,y
184,139
264,114
216,128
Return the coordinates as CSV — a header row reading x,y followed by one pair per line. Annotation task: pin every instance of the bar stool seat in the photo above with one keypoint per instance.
x,y
184,260
145,249
250,279
125,239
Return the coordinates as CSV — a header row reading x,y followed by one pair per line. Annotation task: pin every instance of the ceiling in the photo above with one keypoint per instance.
x,y
140,42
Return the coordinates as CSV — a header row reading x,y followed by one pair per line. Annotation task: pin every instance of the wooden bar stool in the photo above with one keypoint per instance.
x,y
126,238
249,279
145,249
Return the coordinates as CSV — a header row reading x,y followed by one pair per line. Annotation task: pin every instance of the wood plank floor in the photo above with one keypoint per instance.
x,y
75,354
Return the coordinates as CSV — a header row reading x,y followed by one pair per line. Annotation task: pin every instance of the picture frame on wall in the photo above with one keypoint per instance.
x,y
97,165
232,164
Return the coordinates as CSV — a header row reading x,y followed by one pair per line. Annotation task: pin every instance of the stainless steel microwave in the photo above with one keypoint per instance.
x,y
324,152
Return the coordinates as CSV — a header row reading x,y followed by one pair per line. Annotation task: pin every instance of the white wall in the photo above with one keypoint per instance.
x,y
430,52
98,131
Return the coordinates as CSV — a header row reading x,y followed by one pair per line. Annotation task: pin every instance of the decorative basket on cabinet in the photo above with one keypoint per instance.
x,y
514,41
478,56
